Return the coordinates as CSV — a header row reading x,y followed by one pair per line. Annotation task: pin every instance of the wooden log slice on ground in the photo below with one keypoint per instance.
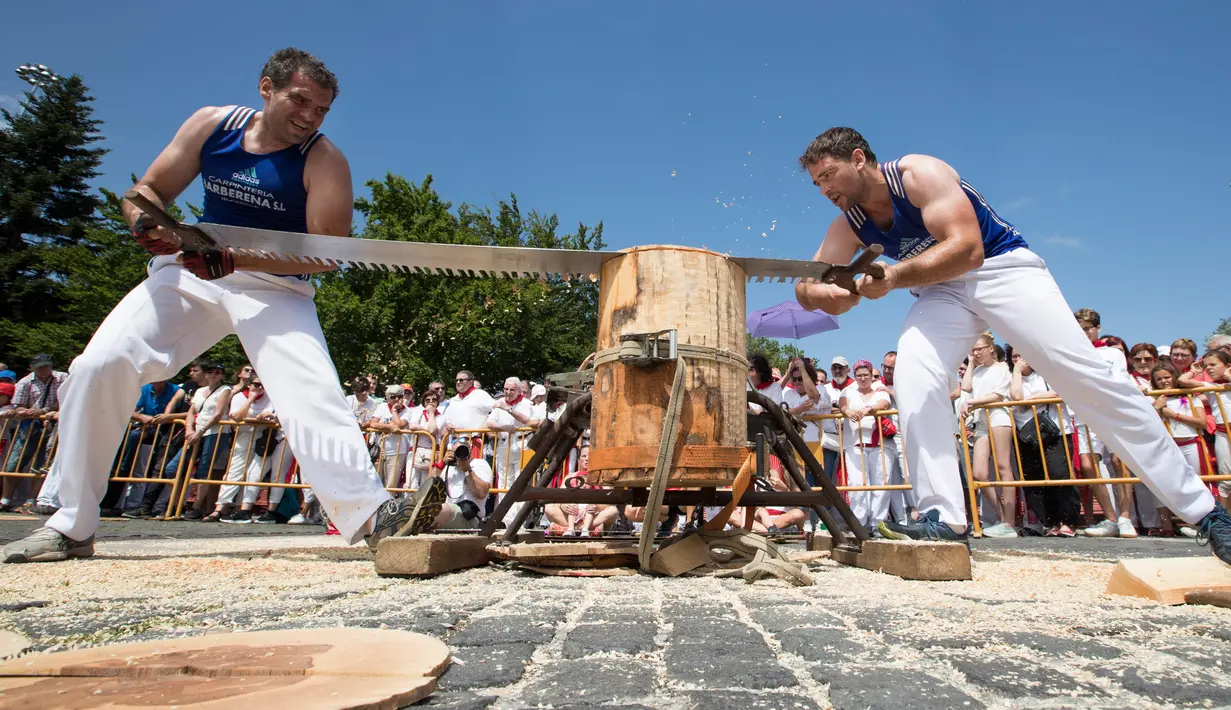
x,y
325,669
1169,580
700,294
429,554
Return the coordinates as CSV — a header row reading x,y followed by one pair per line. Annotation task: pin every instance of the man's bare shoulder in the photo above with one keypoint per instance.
x,y
924,175
208,116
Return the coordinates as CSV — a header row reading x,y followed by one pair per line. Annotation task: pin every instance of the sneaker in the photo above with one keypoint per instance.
x,y
110,513
398,515
1188,531
40,509
1107,528
928,527
1001,529
192,514
1066,531
1215,529
298,519
239,517
270,517
140,513
1126,528
47,545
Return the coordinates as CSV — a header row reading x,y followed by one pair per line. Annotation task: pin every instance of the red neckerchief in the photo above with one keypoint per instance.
x,y
1100,343
763,385
514,402
464,396
845,383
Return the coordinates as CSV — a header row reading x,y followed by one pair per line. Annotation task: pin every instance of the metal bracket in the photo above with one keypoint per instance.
x,y
656,347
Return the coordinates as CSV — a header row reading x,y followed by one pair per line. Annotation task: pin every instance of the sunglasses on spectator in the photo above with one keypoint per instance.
x,y
462,379
397,396
1144,358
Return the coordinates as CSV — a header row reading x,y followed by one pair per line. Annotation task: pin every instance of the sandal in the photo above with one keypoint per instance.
x,y
555,530
213,517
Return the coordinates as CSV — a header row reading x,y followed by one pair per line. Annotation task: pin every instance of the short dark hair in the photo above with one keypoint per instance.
x,y
839,143
289,60
1089,315
1144,348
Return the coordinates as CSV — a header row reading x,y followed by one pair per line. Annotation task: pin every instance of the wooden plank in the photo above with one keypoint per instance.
x,y
548,550
430,554
274,670
523,536
928,561
682,556
820,541
1168,580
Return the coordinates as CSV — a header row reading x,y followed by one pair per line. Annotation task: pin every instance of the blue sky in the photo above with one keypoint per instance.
x,y
1098,128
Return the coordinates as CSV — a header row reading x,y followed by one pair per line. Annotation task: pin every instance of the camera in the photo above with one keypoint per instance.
x,y
462,451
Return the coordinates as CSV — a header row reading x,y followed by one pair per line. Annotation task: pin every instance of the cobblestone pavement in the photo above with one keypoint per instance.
x,y
1033,628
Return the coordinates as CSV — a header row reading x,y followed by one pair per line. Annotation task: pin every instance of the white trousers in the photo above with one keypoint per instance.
x,y
171,318
864,467
1016,296
251,465
508,468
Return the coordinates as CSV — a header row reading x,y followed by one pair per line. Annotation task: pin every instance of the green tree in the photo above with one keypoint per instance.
x,y
778,353
1224,328
46,163
423,327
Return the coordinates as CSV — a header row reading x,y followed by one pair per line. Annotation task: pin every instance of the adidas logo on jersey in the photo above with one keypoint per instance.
x,y
247,175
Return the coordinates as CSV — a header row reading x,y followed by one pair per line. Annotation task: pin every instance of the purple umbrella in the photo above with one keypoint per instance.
x,y
789,320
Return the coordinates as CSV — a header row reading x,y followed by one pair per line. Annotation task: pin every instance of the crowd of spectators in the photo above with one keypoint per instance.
x,y
224,430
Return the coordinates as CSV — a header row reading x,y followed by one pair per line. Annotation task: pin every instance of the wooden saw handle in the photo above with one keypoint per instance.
x,y
191,238
865,263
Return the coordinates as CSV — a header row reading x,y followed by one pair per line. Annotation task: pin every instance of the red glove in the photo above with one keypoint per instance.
x,y
210,264
140,232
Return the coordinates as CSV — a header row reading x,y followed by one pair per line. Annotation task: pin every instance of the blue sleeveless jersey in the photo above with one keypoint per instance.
x,y
247,190
908,237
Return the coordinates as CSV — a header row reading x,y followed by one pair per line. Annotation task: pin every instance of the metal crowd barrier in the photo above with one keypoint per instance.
x,y
501,476
1074,476
842,479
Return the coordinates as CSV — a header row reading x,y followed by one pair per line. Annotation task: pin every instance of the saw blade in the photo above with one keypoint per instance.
x,y
463,259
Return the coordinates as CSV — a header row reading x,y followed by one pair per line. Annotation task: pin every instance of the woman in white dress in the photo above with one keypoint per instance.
x,y
987,381
865,456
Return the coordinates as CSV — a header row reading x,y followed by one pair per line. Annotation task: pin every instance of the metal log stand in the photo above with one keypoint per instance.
x,y
772,431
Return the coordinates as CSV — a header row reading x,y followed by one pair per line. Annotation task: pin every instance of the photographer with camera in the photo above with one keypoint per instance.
x,y
467,482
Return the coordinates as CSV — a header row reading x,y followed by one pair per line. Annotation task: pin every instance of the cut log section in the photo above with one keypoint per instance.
x,y
699,294
429,554
594,554
323,669
928,561
1169,580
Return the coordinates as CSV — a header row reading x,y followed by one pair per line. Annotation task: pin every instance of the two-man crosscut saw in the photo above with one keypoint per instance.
x,y
465,259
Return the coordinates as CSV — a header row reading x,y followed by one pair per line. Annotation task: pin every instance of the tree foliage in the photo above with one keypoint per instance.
x,y
1224,328
47,209
423,327
777,352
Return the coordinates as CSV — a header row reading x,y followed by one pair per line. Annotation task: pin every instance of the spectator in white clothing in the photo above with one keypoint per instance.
x,y
389,420
1184,417
467,412
252,452
761,378
988,382
362,405
510,413
1217,365
424,418
468,480
864,453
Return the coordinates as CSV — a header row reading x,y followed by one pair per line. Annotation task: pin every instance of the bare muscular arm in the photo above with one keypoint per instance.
x,y
935,188
838,247
176,166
